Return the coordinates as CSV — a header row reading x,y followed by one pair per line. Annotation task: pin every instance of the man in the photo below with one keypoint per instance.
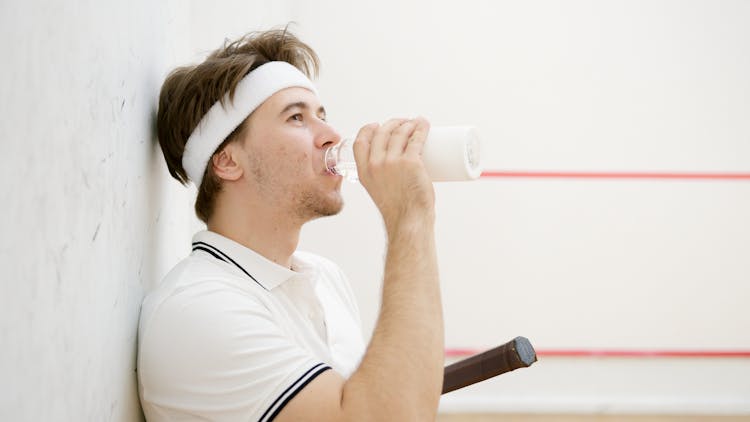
x,y
246,327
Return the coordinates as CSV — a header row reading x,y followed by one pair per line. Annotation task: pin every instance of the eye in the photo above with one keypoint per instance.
x,y
297,117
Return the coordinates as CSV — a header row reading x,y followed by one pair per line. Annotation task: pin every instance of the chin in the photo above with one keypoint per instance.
x,y
316,207
333,207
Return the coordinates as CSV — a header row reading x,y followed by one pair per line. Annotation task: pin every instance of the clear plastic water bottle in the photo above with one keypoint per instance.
x,y
339,159
451,153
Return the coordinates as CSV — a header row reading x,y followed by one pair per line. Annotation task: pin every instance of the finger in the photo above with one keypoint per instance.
x,y
399,137
361,145
418,138
379,142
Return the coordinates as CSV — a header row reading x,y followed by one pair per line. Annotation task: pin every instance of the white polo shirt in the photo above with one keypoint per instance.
x,y
229,335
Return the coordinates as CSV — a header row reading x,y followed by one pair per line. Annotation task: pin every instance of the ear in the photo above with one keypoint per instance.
x,y
226,164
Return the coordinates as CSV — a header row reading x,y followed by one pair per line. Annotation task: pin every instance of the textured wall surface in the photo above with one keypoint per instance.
x,y
84,194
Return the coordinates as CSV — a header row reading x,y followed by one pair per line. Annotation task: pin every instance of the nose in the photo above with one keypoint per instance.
x,y
327,136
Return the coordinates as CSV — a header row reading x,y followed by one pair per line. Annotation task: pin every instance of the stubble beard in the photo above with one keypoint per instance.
x,y
306,205
312,205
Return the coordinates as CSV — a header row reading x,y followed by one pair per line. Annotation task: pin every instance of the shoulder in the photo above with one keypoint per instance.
x,y
197,292
202,332
196,276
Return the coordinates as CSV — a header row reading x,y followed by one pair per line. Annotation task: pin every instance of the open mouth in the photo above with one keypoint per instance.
x,y
331,171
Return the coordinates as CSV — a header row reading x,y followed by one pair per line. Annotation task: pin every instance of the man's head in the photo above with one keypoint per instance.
x,y
204,109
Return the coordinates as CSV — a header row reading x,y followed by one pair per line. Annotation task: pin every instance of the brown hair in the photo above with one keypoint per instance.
x,y
189,92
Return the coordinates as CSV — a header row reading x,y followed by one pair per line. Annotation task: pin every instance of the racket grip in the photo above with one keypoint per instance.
x,y
517,353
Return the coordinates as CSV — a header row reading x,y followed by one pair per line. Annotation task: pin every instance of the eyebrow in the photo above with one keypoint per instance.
x,y
303,105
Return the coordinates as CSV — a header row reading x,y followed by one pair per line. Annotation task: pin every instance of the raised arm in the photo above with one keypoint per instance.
x,y
400,376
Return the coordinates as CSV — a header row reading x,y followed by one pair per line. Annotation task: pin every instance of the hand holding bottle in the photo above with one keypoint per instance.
x,y
451,153
390,168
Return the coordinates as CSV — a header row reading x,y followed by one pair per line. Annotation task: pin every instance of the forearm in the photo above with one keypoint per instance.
x,y
400,376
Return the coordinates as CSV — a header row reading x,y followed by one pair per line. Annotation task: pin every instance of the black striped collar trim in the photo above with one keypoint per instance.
x,y
291,391
221,256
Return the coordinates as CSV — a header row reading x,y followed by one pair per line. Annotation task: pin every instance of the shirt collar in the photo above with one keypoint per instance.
x,y
265,272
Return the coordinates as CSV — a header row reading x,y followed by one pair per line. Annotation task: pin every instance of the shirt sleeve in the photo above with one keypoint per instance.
x,y
215,352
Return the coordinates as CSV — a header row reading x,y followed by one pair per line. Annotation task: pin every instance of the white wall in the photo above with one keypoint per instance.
x,y
576,264
90,219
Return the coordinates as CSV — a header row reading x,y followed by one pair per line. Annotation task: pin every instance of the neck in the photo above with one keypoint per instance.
x,y
264,229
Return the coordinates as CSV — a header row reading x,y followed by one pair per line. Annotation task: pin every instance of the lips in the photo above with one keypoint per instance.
x,y
330,171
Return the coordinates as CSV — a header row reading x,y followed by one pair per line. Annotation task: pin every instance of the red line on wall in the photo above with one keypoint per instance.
x,y
618,353
614,175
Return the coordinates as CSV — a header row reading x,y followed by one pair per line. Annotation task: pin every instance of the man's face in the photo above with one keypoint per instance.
x,y
284,141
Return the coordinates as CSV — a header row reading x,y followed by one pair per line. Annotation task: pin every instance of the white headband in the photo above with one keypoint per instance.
x,y
255,88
